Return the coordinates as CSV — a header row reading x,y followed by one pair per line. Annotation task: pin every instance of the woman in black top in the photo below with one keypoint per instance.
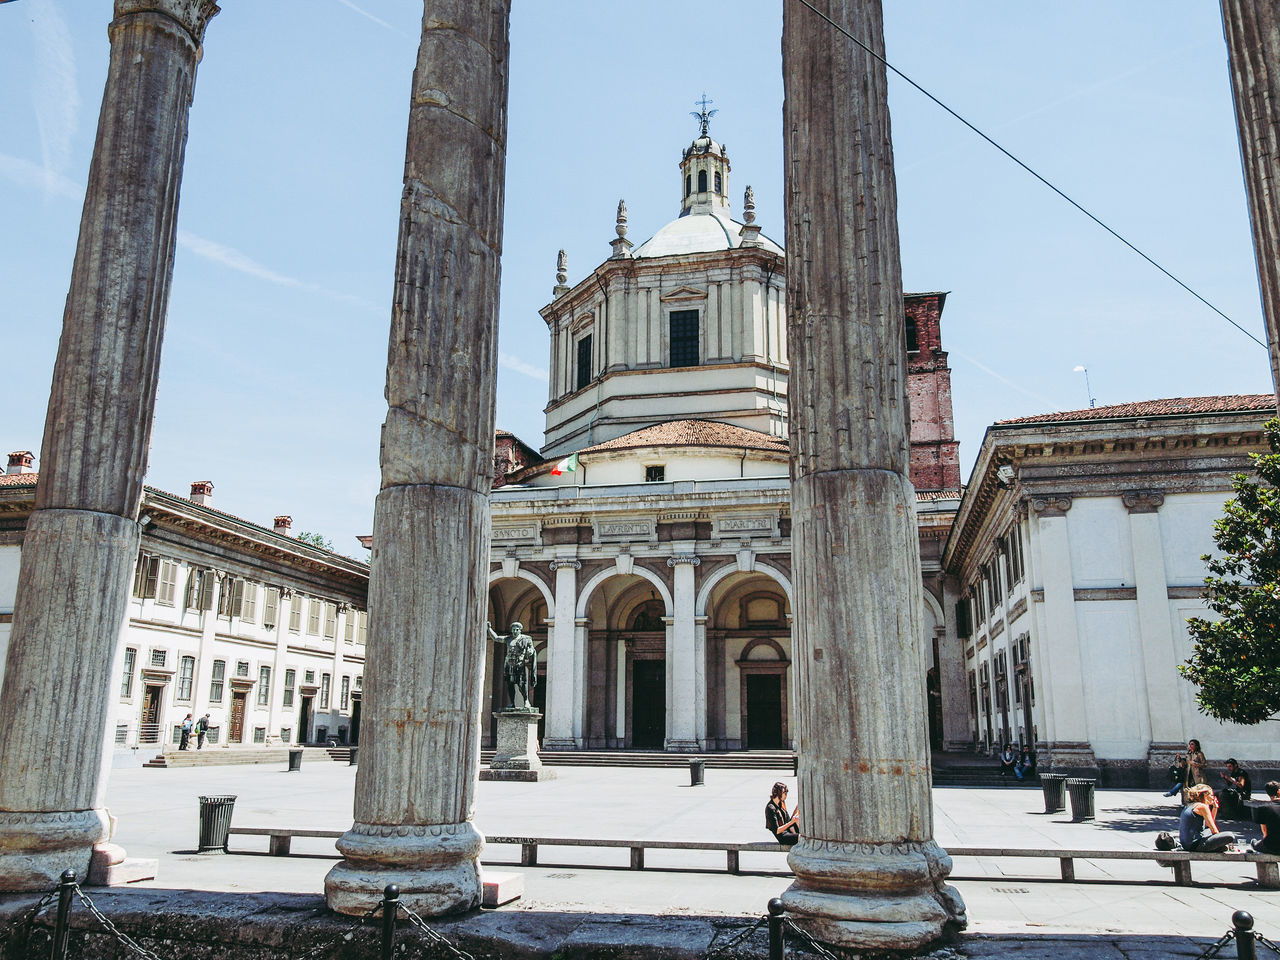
x,y
784,826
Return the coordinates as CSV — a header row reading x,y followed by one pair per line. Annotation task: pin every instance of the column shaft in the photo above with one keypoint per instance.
x,y
561,698
82,540
682,666
420,735
1252,29
1155,626
868,872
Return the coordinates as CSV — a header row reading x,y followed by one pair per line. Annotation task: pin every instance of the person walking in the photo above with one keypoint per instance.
x,y
784,826
186,732
202,728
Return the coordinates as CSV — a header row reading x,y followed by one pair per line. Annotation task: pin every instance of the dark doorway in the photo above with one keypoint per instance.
x,y
764,711
648,704
149,731
304,721
237,717
355,720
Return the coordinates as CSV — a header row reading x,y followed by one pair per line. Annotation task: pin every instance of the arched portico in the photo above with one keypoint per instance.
x,y
526,599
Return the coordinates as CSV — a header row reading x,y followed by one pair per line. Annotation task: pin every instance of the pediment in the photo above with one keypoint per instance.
x,y
684,293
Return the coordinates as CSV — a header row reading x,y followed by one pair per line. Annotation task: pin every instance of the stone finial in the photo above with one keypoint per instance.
x,y
749,205
621,226
621,246
562,274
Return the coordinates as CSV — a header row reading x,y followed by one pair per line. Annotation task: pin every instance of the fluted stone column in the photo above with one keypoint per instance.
x,y
868,872
419,732
82,540
1252,29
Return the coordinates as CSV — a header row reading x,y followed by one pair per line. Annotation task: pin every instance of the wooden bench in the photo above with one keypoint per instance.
x,y
1268,865
732,850
280,838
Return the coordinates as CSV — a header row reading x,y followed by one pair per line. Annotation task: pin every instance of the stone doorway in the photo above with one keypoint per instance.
x,y
237,717
304,720
648,704
763,711
149,725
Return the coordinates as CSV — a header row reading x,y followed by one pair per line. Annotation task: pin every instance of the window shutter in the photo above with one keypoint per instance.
x,y
237,598
206,590
150,577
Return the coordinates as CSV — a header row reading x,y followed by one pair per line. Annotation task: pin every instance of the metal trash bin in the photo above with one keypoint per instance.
x,y
215,823
354,759
697,772
295,760
1054,787
1081,792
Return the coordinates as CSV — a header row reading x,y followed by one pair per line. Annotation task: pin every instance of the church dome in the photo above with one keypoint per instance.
x,y
698,233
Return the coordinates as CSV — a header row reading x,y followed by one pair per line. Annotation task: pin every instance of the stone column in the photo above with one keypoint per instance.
x,y
1252,29
82,539
700,682
682,666
868,872
561,699
428,579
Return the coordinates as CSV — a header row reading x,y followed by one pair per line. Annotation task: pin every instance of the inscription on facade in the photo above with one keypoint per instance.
x,y
625,530
745,524
507,534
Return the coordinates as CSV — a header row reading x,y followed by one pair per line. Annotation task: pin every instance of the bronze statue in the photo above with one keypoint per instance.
x,y
520,668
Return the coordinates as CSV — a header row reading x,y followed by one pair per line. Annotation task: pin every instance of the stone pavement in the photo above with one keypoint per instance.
x,y
1118,909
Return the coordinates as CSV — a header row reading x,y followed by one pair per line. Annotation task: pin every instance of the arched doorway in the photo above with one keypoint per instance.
x,y
513,599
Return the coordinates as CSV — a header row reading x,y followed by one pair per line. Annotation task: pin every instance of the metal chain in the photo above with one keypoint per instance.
x,y
432,935
813,944
1214,949
30,917
1266,943
737,938
112,929
344,935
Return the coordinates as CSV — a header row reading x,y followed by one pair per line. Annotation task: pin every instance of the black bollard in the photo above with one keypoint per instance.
x,y
775,929
62,926
390,907
1243,922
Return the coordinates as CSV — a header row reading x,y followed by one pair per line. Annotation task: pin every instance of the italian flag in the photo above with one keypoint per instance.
x,y
567,465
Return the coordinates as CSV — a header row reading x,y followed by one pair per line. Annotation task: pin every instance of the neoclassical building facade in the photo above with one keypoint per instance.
x,y
648,548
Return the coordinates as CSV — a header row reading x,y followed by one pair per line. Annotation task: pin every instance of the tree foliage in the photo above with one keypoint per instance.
x,y
1236,660
316,540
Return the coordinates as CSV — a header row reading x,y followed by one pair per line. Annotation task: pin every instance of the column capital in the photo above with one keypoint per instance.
x,y
1142,501
684,558
192,15
557,564
1051,505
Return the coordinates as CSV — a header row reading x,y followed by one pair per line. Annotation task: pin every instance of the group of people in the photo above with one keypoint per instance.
x,y
1021,764
1201,809
200,728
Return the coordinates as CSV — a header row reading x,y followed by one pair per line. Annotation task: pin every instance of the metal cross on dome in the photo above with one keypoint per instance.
x,y
704,115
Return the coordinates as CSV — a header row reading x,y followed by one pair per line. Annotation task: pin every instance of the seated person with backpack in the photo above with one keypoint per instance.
x,y
784,826
1267,815
1198,824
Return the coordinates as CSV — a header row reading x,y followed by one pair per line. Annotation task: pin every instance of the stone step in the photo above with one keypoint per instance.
x,y
221,756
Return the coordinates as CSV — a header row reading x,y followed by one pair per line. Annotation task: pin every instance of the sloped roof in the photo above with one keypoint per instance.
x,y
693,433
1175,406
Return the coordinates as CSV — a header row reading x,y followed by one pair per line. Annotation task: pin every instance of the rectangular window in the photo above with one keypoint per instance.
x,y
584,362
200,584
286,734
130,661
186,676
290,678
264,686
146,577
168,581
330,621
242,668
349,626
360,683
231,599
345,704
122,734
270,607
215,684
313,617
159,658
295,614
362,628
326,684
212,734
177,733
684,338
309,677
259,734
655,474
249,605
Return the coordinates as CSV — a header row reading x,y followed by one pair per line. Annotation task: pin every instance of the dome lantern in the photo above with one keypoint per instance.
x,y
704,169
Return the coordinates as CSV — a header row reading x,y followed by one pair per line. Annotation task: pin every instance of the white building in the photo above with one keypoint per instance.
x,y
1077,550
261,631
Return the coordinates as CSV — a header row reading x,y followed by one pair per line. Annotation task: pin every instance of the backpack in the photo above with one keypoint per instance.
x,y
1166,841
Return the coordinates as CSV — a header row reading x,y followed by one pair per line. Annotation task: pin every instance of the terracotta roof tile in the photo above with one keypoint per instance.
x,y
693,433
17,479
1175,406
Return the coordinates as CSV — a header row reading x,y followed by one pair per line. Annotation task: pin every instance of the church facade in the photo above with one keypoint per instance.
x,y
648,548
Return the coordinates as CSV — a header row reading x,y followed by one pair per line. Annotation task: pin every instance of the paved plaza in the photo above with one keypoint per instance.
x,y
157,811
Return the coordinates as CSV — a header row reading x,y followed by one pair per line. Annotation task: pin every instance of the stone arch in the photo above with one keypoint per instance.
x,y
765,642
588,588
523,574
712,581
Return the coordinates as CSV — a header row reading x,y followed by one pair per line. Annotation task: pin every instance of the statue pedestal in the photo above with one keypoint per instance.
x,y
516,757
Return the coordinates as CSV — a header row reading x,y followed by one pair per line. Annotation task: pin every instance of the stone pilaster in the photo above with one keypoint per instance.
x,y
682,660
82,540
1252,29
868,871
560,659
420,739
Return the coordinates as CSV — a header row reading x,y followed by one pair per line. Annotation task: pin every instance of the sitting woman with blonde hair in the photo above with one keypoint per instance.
x,y
1198,824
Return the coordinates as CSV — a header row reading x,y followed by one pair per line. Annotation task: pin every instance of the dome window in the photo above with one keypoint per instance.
x,y
688,184
719,184
702,181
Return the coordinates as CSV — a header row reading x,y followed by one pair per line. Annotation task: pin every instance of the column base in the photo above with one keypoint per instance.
x,y
882,896
36,847
436,866
560,743
1074,758
682,746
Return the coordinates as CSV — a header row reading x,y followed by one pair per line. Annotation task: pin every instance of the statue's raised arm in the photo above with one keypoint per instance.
x,y
493,634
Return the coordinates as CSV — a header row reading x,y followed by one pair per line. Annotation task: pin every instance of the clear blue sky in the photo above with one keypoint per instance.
x,y
273,367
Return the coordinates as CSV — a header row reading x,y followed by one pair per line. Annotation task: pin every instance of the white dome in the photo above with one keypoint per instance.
x,y
698,233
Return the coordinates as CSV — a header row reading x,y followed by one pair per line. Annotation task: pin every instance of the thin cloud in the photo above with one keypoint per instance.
x,y
379,22
519,366
1049,404
54,92
27,174
233,259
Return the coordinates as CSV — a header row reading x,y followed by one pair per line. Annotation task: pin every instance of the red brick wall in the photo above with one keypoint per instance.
x,y
935,453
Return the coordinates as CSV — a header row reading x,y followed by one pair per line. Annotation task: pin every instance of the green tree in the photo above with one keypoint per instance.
x,y
316,540
1236,661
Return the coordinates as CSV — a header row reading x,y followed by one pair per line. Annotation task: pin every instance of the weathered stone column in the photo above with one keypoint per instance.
x,y
420,733
1252,28
682,665
868,872
561,682
82,540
